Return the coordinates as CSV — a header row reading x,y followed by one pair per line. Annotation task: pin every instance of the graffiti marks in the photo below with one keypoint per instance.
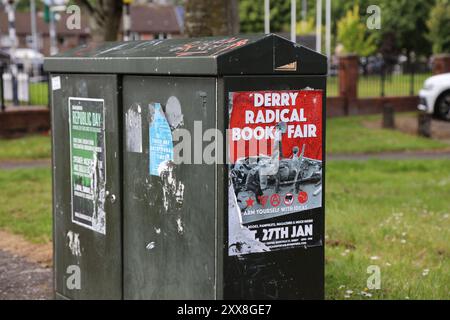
x,y
208,47
74,243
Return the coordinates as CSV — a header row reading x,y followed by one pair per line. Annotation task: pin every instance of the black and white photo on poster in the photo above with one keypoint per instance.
x,y
276,169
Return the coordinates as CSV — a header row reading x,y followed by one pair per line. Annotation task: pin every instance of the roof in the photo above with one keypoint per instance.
x,y
144,19
23,25
244,54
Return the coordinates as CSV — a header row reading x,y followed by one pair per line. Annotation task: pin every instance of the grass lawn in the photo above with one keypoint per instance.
x,y
31,147
25,203
39,94
348,135
393,214
344,135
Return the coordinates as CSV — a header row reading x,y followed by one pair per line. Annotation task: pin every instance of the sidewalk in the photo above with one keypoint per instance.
x,y
21,164
25,268
403,155
23,280
406,155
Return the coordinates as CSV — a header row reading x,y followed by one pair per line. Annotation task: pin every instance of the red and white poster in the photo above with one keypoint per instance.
x,y
275,154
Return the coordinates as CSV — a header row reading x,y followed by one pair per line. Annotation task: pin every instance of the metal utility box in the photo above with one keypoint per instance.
x,y
189,169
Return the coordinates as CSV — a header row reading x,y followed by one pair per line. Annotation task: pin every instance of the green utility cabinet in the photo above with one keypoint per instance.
x,y
189,169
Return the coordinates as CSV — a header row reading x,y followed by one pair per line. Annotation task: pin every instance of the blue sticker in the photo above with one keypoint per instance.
x,y
160,139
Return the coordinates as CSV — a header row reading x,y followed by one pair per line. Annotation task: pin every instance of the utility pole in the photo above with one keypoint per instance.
x,y
33,24
10,7
126,20
266,16
52,31
2,93
328,31
34,33
293,20
51,7
304,10
319,26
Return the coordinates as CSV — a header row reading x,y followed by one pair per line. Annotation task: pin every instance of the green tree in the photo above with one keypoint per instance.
x,y
251,14
439,27
305,27
24,5
404,26
351,34
340,8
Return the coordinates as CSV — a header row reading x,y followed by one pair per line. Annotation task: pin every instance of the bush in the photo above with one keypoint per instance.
x,y
352,34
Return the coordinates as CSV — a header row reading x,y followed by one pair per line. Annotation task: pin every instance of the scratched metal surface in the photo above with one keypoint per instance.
x,y
237,55
100,258
169,247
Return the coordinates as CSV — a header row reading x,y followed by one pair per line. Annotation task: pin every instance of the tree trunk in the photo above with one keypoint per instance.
x,y
233,17
104,18
196,17
212,17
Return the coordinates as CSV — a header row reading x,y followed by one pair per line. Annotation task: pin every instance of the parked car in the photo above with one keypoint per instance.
x,y
435,96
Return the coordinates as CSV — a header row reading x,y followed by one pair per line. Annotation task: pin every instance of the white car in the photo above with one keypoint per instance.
x,y
435,96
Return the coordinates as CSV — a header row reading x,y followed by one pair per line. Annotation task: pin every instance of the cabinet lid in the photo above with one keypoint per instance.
x,y
236,55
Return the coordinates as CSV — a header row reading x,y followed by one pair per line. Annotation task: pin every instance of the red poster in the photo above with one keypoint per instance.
x,y
275,152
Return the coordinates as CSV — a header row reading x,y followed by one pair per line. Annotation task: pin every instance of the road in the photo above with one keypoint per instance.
x,y
21,164
23,280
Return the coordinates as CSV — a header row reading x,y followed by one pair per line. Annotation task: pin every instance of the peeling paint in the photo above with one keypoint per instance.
x,y
174,114
98,182
74,243
133,129
158,230
173,189
180,226
150,245
242,240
